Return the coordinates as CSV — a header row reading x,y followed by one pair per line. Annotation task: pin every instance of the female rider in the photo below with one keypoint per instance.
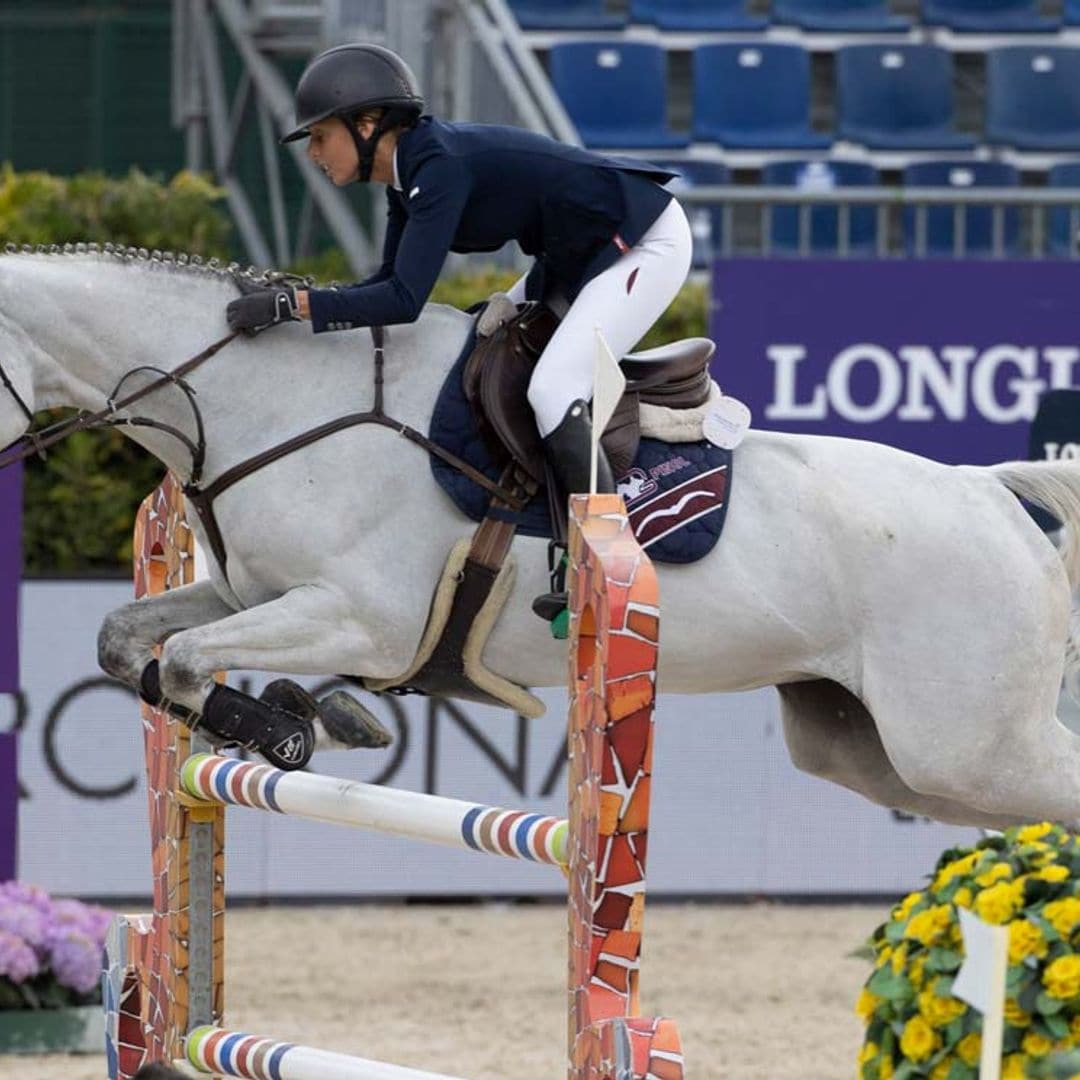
x,y
602,230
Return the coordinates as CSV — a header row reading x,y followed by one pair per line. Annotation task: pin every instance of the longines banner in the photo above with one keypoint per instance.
x,y
945,359
10,568
730,814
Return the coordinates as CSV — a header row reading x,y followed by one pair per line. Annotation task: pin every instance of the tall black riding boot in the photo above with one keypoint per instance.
x,y
569,452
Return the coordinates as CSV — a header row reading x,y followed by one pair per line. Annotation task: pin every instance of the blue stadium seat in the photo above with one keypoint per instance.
x,y
840,16
706,222
978,221
988,16
824,224
565,15
1033,97
897,97
1063,232
1072,12
754,97
615,92
696,15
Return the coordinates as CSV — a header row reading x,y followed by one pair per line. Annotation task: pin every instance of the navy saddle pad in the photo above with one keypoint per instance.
x,y
676,493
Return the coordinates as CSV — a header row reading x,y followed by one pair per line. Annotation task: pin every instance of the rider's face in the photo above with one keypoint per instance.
x,y
331,148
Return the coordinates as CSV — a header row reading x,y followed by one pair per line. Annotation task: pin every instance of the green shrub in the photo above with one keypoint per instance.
x,y
181,215
80,503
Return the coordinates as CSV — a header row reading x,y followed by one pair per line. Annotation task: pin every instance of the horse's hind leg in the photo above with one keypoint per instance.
x,y
306,631
831,734
995,744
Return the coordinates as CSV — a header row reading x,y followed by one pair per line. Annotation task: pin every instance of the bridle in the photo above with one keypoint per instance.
x,y
35,443
202,498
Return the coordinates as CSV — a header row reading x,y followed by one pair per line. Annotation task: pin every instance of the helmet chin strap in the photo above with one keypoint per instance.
x,y
365,148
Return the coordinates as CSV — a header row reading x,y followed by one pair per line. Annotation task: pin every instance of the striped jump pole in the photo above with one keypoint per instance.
x,y
514,833
231,1053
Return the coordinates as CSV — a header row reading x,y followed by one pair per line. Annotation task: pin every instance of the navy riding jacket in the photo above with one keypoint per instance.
x,y
473,187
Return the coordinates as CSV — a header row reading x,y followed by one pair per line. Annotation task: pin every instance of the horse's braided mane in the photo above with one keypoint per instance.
x,y
165,259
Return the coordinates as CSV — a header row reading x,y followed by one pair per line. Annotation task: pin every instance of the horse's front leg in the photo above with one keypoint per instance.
x,y
307,631
129,634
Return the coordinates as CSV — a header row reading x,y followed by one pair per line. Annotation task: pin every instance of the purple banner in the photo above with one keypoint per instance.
x,y
10,572
9,807
945,359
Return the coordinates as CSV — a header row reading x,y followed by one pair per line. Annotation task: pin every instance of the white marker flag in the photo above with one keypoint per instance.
x,y
608,386
981,983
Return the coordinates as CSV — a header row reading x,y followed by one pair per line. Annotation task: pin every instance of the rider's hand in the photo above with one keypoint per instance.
x,y
262,306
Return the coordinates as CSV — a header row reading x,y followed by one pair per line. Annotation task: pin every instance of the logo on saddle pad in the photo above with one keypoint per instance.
x,y
635,485
662,514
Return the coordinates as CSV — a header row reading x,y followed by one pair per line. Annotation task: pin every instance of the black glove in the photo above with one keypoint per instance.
x,y
261,306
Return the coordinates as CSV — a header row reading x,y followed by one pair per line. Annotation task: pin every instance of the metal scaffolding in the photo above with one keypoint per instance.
x,y
460,49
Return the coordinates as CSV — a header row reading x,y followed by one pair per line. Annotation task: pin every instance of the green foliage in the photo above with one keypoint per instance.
x,y
80,503
181,215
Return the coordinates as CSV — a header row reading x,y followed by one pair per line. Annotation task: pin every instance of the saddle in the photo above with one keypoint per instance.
x,y
479,574
497,375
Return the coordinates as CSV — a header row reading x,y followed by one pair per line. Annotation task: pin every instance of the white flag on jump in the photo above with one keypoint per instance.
x,y
981,983
608,386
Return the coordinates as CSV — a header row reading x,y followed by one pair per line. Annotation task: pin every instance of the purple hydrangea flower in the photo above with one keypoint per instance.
x,y
20,893
93,921
25,922
76,960
18,962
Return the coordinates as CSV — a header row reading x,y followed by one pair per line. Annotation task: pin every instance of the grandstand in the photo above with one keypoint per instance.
x,y
966,113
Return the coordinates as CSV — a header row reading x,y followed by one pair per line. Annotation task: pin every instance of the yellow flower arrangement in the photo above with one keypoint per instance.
x,y
999,903
1025,939
918,1040
969,1048
1062,978
939,1011
1027,880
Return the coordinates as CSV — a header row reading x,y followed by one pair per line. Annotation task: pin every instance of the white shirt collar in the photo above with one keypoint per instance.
x,y
397,178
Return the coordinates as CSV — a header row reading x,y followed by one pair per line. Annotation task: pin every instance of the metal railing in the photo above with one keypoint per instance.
x,y
1024,222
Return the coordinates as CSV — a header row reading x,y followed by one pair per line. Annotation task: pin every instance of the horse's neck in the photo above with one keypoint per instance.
x,y
100,320
94,319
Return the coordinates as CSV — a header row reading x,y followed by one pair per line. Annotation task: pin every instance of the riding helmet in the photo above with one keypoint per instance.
x,y
347,79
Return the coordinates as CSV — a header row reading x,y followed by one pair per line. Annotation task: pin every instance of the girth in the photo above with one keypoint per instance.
x,y
202,497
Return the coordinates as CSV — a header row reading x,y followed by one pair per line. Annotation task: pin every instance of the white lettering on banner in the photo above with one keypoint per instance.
x,y
889,380
1053,451
922,383
783,406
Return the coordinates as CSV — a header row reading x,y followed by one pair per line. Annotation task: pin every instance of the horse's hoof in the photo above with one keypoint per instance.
x,y
290,696
349,725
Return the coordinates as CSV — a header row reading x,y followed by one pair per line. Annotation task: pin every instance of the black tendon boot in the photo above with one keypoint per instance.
x,y
569,451
229,717
286,740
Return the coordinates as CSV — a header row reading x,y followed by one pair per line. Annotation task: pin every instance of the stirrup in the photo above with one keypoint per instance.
x,y
552,606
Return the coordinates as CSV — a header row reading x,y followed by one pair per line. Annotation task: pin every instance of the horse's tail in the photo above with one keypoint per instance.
x,y
1055,487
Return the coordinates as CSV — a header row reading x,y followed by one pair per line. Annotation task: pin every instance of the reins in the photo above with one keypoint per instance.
x,y
202,498
41,440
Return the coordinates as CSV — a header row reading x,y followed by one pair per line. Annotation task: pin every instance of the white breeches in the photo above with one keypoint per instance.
x,y
623,303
